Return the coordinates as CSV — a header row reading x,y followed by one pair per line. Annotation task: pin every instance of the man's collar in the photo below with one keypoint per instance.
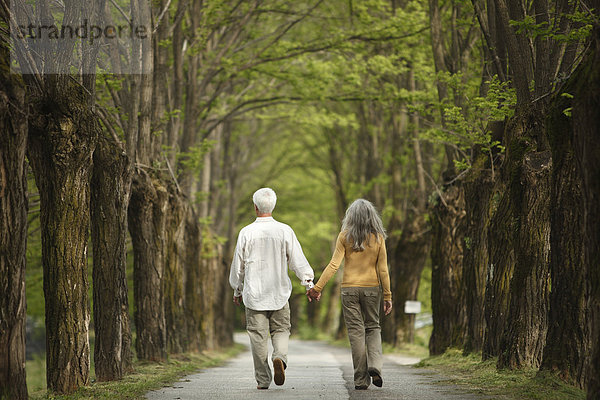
x,y
264,219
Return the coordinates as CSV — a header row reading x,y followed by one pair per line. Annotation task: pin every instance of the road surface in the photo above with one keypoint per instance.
x,y
315,371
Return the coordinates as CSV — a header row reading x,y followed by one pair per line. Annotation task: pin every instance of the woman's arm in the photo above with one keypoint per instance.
x,y
334,264
382,270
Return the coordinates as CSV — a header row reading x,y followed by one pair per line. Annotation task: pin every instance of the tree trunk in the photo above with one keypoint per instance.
x,y
174,282
408,259
499,272
586,124
13,230
568,342
194,292
447,297
528,168
110,190
331,319
478,187
146,216
62,137
222,304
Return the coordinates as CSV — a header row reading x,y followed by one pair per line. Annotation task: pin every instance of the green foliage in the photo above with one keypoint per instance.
x,y
466,126
194,159
582,24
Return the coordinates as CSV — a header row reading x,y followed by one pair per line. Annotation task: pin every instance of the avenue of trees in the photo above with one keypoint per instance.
x,y
473,126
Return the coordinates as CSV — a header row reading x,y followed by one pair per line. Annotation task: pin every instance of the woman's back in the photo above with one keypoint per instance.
x,y
360,267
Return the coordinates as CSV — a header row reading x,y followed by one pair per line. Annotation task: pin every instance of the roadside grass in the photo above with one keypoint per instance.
x,y
483,378
419,348
146,376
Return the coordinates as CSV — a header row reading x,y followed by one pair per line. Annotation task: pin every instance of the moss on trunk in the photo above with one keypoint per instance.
x,y
62,138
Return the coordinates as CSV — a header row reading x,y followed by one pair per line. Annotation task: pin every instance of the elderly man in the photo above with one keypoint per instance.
x,y
259,276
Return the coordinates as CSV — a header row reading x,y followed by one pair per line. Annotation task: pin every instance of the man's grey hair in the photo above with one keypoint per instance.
x,y
264,199
360,221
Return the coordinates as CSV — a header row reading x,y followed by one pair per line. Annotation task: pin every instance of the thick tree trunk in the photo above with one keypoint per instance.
x,y
568,342
408,259
528,167
62,137
478,186
146,216
174,282
586,138
447,295
499,272
13,230
110,190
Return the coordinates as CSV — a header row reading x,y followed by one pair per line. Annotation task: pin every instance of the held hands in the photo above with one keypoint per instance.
x,y
237,300
387,307
312,294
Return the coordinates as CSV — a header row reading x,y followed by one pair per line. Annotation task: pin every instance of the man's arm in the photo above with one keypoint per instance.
x,y
298,262
237,272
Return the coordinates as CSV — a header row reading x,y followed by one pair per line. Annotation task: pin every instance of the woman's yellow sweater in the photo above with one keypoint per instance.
x,y
361,268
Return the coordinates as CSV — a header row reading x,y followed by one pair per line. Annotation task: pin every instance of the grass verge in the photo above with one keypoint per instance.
x,y
482,377
147,376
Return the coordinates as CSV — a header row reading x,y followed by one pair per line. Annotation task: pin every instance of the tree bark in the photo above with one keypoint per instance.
x,y
447,297
568,342
527,323
174,282
62,138
499,272
527,172
478,187
110,191
586,124
13,228
146,217
408,258
222,304
194,313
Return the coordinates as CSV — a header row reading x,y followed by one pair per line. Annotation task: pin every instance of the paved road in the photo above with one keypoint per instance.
x,y
315,371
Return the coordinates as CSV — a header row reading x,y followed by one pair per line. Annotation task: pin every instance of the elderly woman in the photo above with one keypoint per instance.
x,y
361,243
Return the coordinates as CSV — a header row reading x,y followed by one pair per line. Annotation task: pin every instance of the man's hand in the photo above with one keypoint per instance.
x,y
387,307
312,294
237,300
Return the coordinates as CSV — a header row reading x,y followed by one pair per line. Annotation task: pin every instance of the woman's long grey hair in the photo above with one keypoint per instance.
x,y
360,221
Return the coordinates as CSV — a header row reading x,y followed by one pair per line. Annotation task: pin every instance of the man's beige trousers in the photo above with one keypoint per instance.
x,y
260,325
361,314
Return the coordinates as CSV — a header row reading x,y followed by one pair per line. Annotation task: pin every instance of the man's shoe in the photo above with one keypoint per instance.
x,y
361,387
376,378
261,388
279,370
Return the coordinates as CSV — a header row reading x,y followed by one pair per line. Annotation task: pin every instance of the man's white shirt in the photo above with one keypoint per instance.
x,y
258,273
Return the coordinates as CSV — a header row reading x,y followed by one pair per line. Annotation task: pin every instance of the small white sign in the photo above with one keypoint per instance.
x,y
412,307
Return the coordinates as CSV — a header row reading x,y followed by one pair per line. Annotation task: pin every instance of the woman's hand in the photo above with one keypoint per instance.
x,y
387,307
312,294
